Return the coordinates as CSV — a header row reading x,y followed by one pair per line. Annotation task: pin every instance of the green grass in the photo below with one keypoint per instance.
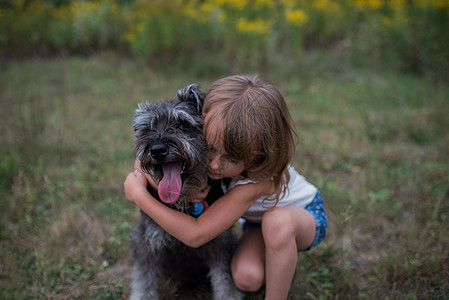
x,y
374,142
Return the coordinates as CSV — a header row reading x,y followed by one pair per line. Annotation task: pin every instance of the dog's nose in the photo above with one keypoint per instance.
x,y
159,151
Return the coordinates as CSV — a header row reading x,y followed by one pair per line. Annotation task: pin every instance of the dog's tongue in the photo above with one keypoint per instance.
x,y
170,185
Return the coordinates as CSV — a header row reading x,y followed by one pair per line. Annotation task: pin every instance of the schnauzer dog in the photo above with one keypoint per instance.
x,y
171,148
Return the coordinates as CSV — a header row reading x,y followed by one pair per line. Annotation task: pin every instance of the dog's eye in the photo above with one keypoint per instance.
x,y
183,125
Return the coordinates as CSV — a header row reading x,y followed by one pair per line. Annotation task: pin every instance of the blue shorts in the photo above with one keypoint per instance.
x,y
316,209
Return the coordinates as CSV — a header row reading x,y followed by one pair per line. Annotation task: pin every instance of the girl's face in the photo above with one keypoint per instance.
x,y
220,165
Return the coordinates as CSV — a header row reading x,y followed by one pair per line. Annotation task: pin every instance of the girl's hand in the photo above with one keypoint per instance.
x,y
147,176
135,186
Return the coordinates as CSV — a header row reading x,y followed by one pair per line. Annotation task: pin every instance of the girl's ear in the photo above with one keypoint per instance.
x,y
193,94
257,161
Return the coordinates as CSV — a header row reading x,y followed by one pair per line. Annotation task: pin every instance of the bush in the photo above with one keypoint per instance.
x,y
407,35
85,26
23,27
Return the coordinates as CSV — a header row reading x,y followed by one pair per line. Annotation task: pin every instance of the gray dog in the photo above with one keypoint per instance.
x,y
171,148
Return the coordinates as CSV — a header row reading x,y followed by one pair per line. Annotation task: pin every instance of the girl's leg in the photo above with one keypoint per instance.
x,y
248,261
285,231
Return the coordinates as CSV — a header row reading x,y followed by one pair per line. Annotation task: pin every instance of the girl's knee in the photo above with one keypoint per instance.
x,y
248,261
278,227
248,278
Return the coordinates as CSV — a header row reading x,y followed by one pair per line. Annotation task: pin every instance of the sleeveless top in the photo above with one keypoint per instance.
x,y
299,193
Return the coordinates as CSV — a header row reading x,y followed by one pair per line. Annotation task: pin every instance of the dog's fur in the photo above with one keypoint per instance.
x,y
168,132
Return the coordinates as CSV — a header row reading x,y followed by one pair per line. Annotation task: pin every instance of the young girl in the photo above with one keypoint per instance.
x,y
251,144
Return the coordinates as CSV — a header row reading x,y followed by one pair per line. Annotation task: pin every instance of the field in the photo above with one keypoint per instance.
x,y
366,84
375,142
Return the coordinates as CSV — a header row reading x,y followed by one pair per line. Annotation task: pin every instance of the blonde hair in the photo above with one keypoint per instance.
x,y
255,127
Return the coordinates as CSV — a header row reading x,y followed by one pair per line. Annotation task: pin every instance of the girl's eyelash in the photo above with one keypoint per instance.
x,y
224,157
231,160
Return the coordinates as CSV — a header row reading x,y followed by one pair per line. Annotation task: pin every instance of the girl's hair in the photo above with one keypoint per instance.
x,y
255,127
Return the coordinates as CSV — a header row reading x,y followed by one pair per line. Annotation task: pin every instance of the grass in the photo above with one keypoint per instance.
x,y
374,142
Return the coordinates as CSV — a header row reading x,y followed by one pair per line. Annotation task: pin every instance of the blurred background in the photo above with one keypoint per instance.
x,y
208,37
366,82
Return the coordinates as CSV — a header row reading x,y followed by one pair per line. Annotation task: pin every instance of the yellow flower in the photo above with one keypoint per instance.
x,y
321,4
140,27
130,37
296,16
328,6
204,12
206,7
257,26
375,4
442,4
371,4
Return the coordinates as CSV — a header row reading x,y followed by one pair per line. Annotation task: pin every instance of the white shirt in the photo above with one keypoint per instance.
x,y
299,193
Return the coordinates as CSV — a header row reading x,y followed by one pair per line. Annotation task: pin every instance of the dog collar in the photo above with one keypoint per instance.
x,y
198,208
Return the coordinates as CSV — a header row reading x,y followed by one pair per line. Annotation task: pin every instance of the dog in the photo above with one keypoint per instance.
x,y
171,148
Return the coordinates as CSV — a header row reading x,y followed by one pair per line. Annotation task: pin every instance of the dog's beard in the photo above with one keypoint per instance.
x,y
180,178
167,175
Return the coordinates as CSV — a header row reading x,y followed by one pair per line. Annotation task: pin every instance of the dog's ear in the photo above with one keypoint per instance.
x,y
193,94
141,115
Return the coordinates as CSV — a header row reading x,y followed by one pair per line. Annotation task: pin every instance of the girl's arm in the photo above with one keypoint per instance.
x,y
195,232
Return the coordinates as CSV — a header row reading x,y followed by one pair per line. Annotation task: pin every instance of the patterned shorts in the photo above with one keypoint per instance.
x,y
316,209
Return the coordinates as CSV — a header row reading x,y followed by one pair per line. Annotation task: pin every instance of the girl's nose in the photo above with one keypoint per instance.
x,y
214,162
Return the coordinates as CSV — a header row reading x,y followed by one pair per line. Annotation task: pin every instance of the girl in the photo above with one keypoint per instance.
x,y
248,130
